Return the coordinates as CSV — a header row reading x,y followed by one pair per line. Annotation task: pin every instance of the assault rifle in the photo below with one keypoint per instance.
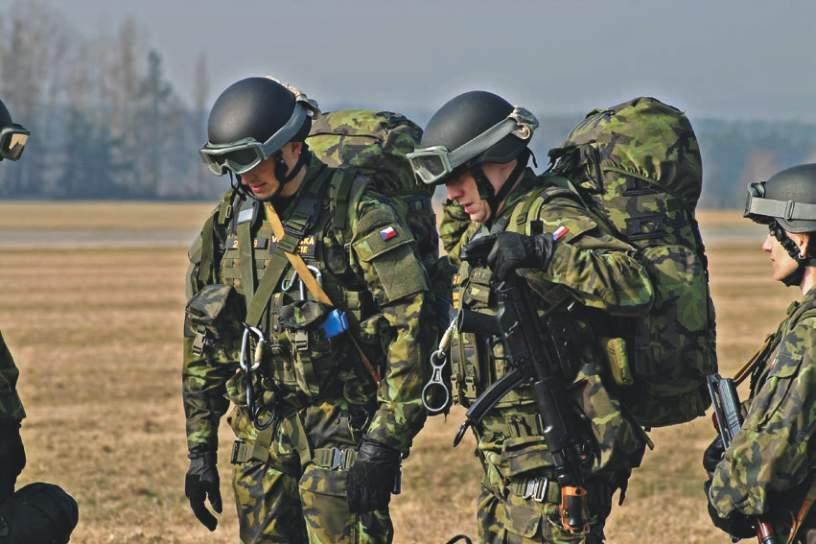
x,y
535,359
728,420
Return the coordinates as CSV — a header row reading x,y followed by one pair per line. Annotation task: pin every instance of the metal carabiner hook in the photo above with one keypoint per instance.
x,y
318,276
438,360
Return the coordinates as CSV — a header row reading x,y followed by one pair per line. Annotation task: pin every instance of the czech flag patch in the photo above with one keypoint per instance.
x,y
559,233
388,233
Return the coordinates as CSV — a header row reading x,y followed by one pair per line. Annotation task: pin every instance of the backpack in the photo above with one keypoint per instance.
x,y
376,143
637,167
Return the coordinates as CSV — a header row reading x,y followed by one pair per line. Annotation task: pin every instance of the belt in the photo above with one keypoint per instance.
x,y
334,458
542,489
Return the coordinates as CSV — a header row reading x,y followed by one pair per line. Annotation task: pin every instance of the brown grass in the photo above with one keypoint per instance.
x,y
96,333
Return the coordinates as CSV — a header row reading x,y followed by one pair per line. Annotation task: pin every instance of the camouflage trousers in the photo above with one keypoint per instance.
x,y
520,499
290,480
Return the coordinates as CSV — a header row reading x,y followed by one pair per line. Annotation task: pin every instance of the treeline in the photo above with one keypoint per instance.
x,y
105,119
108,123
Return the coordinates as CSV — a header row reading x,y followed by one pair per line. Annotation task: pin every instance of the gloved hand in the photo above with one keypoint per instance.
x,y
12,457
511,250
736,525
202,482
371,477
713,454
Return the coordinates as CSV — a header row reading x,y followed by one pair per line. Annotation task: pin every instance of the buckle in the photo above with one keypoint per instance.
x,y
536,489
301,340
235,456
338,458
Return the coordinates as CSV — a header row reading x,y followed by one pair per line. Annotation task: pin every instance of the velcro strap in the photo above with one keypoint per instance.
x,y
258,450
541,489
334,458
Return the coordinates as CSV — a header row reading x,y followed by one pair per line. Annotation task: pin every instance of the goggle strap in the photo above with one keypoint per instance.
x,y
788,210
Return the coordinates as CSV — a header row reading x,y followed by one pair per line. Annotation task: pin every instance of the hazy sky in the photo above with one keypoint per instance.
x,y
730,58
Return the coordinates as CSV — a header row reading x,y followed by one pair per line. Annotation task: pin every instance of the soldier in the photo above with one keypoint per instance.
x,y
319,440
768,470
38,512
476,144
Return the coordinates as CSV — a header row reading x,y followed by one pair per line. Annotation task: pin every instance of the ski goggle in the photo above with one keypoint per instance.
x,y
243,155
13,140
432,165
764,210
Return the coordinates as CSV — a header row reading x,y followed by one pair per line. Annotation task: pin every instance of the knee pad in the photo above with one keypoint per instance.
x,y
38,513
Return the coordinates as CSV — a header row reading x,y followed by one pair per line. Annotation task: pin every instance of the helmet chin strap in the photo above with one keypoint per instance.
x,y
486,191
281,174
795,277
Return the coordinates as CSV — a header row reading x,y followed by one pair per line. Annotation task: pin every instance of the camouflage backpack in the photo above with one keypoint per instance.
x,y
637,167
376,143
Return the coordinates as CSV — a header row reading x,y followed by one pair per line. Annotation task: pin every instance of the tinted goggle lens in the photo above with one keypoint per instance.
x,y
429,168
239,161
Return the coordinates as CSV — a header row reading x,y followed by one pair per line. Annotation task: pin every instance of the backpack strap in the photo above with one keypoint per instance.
x,y
300,221
346,195
217,220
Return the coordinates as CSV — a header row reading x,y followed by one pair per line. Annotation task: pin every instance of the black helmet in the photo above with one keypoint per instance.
x,y
251,121
13,137
38,512
787,202
471,129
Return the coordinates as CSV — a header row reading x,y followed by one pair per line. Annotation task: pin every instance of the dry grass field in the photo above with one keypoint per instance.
x,y
96,333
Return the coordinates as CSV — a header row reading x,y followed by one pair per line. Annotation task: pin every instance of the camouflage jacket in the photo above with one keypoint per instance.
x,y
589,266
374,275
10,405
771,461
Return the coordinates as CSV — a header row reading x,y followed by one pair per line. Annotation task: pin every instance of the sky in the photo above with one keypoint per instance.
x,y
733,59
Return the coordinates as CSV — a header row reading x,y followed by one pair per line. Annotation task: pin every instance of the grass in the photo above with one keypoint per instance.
x,y
96,333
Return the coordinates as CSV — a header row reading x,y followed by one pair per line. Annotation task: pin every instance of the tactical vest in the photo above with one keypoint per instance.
x,y
300,364
476,362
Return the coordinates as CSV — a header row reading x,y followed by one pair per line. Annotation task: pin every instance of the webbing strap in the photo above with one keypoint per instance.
x,y
305,214
258,450
341,200
748,367
272,275
206,265
313,286
246,259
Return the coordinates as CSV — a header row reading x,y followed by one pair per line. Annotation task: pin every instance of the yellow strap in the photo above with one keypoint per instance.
x,y
311,283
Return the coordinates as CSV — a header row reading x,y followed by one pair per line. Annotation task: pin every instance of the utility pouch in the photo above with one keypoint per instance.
x,y
213,316
302,323
618,360
214,306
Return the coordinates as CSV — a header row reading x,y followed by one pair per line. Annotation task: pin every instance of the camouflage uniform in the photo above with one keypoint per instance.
x,y
519,501
290,478
10,405
769,466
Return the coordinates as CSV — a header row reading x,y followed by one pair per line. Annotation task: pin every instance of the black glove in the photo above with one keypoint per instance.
x,y
12,457
371,478
736,525
713,454
511,250
202,482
